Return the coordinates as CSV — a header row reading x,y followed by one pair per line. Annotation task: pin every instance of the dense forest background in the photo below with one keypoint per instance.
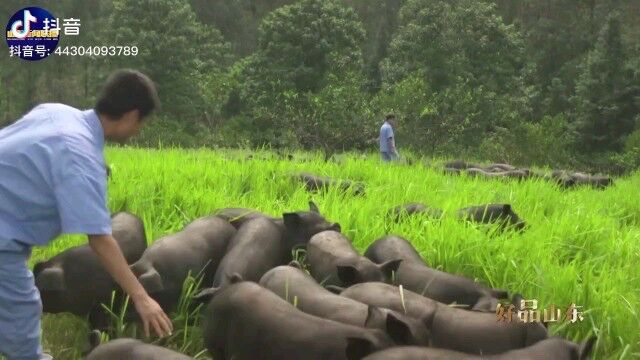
x,y
532,82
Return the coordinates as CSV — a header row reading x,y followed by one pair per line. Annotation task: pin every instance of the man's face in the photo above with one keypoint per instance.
x,y
127,127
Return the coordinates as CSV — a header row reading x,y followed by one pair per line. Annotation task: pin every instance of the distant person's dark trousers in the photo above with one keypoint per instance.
x,y
388,156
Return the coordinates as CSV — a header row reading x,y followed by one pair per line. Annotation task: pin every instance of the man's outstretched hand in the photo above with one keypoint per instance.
x,y
152,316
112,259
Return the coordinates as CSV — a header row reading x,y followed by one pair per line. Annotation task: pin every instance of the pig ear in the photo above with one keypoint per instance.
x,y
500,293
373,315
427,320
205,295
485,304
398,330
95,338
151,281
291,220
516,299
587,347
348,274
51,279
357,348
313,207
296,264
38,267
235,278
506,208
336,227
335,289
388,267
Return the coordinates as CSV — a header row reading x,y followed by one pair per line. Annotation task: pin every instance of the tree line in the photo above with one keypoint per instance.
x,y
530,82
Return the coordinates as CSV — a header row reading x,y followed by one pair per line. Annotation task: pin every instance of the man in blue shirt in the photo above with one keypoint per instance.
x,y
387,140
52,182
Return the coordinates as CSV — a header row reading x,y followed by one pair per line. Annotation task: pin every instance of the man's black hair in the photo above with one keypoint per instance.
x,y
127,90
390,116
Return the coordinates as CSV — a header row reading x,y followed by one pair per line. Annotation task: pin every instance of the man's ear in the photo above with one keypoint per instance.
x,y
291,220
348,274
133,116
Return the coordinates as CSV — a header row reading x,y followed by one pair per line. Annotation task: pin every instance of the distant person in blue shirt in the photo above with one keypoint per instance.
x,y
387,140
52,182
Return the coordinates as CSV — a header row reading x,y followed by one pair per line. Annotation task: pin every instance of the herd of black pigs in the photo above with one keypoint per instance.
x,y
261,303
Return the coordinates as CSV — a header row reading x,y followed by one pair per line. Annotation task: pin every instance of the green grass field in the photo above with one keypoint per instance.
x,y
582,246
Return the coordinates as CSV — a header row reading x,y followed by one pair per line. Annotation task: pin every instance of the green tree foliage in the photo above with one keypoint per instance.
x,y
543,143
558,35
470,63
308,53
301,44
451,40
380,20
335,118
185,58
238,20
604,101
445,122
